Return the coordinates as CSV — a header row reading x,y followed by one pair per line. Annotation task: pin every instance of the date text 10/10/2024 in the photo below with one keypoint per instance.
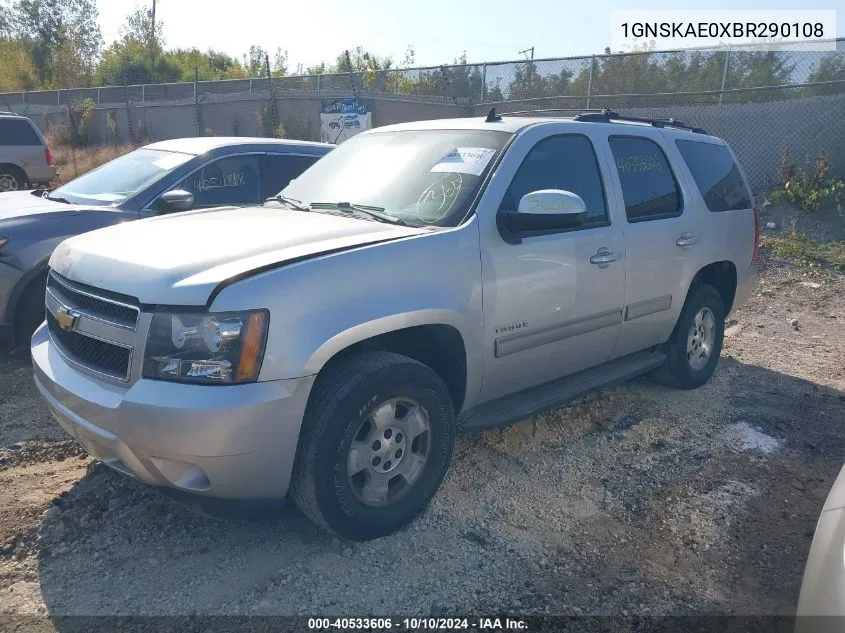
x,y
417,624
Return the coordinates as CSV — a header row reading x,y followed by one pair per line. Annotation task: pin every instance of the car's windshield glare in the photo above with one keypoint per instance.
x,y
419,176
121,178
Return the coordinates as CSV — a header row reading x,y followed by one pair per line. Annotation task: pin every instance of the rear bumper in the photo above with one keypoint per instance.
x,y
41,175
745,281
227,442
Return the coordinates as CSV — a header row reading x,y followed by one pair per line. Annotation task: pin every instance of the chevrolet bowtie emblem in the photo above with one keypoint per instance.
x,y
66,317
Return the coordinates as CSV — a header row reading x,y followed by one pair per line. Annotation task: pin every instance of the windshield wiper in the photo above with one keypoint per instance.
x,y
291,202
376,213
56,199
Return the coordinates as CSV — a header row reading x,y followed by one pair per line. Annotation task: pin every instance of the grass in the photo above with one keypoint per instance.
x,y
800,249
72,162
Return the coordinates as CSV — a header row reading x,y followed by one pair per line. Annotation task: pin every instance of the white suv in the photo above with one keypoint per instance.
x,y
421,279
25,158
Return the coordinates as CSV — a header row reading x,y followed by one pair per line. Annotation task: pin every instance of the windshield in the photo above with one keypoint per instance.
x,y
418,176
121,178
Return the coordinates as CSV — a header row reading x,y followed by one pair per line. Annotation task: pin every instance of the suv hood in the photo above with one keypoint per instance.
x,y
18,204
179,259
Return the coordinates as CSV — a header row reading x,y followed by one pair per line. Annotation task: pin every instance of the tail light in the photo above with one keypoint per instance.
x,y
755,256
48,155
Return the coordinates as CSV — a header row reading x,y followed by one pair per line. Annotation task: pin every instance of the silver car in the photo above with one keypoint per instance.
x,y
420,280
25,158
823,586
161,178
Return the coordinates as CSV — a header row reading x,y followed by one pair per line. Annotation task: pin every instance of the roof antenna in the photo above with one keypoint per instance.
x,y
492,117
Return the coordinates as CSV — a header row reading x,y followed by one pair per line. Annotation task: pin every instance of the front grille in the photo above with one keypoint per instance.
x,y
100,356
97,307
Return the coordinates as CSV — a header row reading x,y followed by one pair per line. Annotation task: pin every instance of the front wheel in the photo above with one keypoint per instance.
x,y
375,445
693,350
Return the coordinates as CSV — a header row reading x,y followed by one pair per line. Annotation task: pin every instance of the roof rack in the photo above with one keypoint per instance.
x,y
548,110
608,116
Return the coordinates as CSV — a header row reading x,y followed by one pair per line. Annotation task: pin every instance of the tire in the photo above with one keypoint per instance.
x,y
12,179
358,401
686,366
30,310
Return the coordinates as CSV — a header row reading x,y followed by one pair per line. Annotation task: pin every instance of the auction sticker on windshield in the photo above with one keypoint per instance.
x,y
465,160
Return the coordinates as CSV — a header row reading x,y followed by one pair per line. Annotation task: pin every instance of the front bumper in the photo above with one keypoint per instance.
x,y
745,281
823,585
227,442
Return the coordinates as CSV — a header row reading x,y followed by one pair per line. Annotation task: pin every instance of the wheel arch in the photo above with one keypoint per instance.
x,y
17,167
432,338
23,284
720,275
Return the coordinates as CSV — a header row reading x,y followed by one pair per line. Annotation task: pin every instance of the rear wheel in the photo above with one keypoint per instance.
x,y
12,179
692,352
375,445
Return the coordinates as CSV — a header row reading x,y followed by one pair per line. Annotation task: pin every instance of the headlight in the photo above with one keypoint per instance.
x,y
220,348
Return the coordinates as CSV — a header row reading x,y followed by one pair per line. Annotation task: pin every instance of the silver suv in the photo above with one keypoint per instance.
x,y
25,158
420,280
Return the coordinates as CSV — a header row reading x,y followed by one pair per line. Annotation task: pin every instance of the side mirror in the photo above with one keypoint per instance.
x,y
543,210
175,200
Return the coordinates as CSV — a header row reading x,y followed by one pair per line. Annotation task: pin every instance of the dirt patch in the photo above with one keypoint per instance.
x,y
639,500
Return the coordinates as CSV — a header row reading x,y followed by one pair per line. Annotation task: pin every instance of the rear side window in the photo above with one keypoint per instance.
x,y
17,132
716,174
282,168
648,184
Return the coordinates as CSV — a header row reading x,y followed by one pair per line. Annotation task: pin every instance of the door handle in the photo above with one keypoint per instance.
x,y
604,256
687,240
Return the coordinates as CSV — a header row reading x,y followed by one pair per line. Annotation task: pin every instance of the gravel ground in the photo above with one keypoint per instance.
x,y
639,500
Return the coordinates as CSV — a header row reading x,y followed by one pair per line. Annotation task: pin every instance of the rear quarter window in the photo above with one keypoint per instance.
x,y
17,132
648,185
716,175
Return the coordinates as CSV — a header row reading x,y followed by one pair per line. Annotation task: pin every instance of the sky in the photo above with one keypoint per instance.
x,y
439,30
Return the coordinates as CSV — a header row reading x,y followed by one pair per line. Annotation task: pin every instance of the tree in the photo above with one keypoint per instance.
x,y
5,20
139,28
254,62
138,56
831,67
280,63
17,71
757,69
59,32
209,65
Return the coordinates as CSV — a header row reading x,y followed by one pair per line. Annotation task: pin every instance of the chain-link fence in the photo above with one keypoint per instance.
x,y
760,102
704,75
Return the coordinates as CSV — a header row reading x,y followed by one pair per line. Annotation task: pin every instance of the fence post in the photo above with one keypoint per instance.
x,y
272,95
130,127
724,76
351,76
98,96
250,86
72,133
143,93
58,97
197,112
590,80
483,82
318,83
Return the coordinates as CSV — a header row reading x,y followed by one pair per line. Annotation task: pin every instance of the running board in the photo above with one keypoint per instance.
x,y
530,402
